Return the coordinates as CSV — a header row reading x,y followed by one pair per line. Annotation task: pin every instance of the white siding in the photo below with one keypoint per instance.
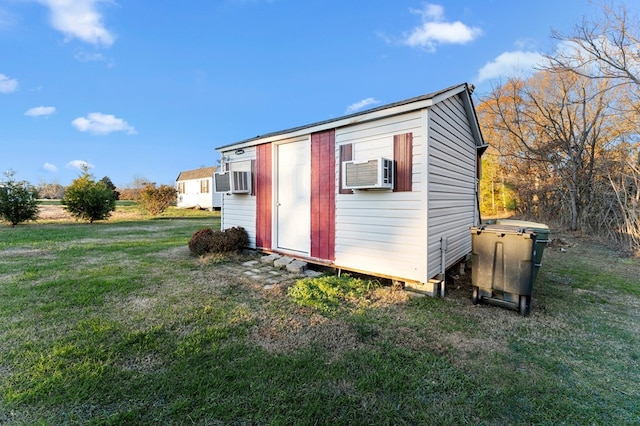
x,y
382,232
451,182
193,197
240,209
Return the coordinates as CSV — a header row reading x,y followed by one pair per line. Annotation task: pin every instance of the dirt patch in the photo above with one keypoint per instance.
x,y
57,212
49,212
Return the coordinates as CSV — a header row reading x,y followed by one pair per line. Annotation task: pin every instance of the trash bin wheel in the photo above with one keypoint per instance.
x,y
525,305
475,296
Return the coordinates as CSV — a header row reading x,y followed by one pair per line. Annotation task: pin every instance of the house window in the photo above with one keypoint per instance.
x,y
180,187
204,186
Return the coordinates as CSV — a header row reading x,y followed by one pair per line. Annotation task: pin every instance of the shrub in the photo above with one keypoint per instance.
x,y
87,199
157,200
236,238
206,240
200,242
18,200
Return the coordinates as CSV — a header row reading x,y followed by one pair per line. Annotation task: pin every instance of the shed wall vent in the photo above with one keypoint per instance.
x,y
375,173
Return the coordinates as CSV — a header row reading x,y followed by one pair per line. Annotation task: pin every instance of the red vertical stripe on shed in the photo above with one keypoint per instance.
x,y
263,191
403,156
323,195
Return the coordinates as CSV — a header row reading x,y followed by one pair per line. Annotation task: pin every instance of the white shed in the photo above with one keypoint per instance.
x,y
390,192
195,189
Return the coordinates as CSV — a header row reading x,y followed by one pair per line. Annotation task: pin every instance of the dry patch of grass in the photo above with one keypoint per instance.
x,y
57,213
23,252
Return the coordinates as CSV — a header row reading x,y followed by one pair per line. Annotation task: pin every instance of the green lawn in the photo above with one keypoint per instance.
x,y
115,323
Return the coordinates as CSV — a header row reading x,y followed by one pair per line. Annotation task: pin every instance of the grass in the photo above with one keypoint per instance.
x,y
115,323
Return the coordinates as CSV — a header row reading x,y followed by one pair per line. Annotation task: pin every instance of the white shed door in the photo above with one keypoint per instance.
x,y
293,204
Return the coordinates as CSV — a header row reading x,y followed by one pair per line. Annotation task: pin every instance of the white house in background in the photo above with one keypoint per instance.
x,y
195,189
390,192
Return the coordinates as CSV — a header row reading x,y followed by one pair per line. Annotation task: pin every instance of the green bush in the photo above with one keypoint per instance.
x,y
328,293
18,200
206,240
87,199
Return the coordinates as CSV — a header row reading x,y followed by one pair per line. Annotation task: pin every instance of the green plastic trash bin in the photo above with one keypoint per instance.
x,y
503,265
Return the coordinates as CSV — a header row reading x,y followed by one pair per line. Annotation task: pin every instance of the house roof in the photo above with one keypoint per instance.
x,y
387,110
204,172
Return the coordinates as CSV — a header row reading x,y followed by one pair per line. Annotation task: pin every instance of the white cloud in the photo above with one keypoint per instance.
x,y
102,124
510,64
49,167
357,106
41,110
79,164
8,85
435,30
84,56
79,19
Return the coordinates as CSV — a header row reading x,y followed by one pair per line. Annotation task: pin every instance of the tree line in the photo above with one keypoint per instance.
x,y
130,192
565,142
85,199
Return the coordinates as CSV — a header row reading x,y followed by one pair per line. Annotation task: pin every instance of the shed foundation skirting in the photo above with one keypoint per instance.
x,y
298,264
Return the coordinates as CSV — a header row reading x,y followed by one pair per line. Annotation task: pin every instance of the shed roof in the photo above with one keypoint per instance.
x,y
387,110
201,173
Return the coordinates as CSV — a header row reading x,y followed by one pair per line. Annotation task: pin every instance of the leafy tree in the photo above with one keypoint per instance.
x,y
156,200
111,186
18,200
496,195
87,199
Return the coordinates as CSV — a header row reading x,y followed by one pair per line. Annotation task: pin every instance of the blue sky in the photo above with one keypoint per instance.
x,y
140,88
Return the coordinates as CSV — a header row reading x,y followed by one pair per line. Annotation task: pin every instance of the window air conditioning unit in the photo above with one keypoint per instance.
x,y
232,182
376,173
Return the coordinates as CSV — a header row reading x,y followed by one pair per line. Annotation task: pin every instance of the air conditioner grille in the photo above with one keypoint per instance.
x,y
376,173
221,182
241,182
234,182
362,174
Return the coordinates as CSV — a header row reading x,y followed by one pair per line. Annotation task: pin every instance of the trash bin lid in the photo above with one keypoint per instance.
x,y
504,230
540,228
523,224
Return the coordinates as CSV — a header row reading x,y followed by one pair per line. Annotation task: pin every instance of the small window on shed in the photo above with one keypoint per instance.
x,y
204,186
180,187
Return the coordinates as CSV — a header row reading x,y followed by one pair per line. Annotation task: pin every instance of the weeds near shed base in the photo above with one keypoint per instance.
x,y
327,294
